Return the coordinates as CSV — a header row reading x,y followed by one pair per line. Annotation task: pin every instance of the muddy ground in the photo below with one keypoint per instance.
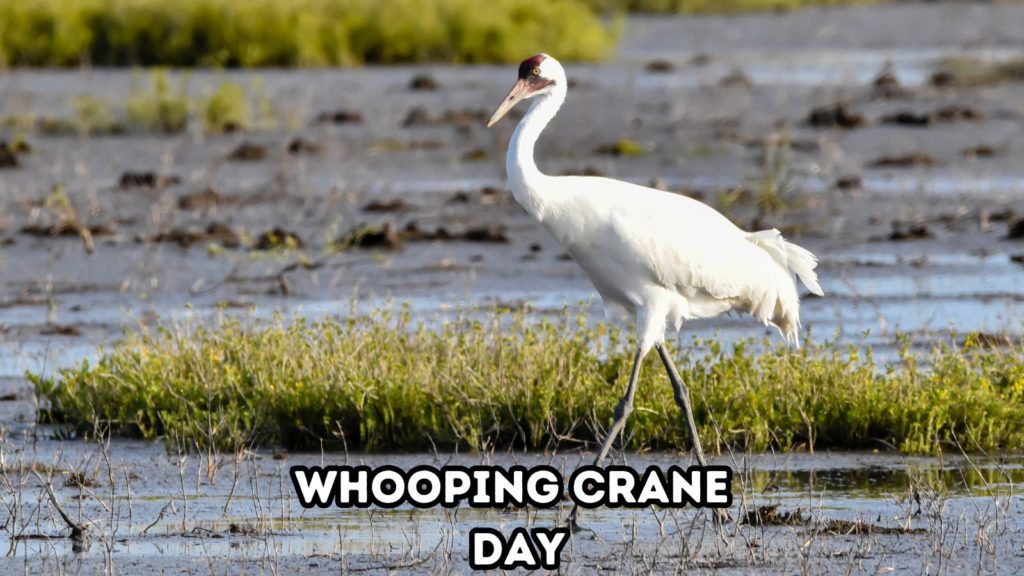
x,y
908,194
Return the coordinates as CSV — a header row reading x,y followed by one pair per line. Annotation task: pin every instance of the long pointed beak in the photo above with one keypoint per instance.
x,y
519,91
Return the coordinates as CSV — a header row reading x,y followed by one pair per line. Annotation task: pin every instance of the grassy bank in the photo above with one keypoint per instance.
x,y
381,384
235,33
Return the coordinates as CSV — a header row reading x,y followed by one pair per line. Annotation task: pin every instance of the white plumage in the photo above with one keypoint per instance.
x,y
662,257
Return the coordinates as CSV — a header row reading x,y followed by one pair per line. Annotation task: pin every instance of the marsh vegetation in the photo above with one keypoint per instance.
x,y
386,382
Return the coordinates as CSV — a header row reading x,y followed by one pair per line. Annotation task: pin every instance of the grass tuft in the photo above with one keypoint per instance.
x,y
381,383
311,33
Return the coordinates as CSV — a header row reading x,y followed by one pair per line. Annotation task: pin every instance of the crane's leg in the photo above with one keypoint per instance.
x,y
682,395
622,412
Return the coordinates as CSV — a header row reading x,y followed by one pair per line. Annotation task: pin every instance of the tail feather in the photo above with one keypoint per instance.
x,y
791,257
797,261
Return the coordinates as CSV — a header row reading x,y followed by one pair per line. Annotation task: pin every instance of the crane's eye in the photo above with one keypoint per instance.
x,y
535,71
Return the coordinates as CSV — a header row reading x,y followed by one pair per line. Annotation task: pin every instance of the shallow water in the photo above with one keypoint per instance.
x,y
704,139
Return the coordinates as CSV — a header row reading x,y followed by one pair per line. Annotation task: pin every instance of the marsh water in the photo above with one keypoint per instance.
x,y
920,250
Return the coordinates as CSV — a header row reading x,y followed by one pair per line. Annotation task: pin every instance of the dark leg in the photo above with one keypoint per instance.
x,y
682,395
622,412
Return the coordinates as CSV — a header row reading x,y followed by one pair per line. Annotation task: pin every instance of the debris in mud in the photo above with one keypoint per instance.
x,y
487,195
387,205
203,200
622,147
60,330
146,179
65,227
904,161
736,79
536,247
1016,230
846,527
846,183
887,85
980,151
835,116
659,66
423,82
398,146
769,515
419,116
277,238
214,232
368,237
7,158
493,234
485,234
955,113
80,480
942,79
907,118
339,117
900,232
299,146
588,170
700,59
248,152
475,155
1017,258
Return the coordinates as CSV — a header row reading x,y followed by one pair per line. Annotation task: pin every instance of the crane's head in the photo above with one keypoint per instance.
x,y
538,75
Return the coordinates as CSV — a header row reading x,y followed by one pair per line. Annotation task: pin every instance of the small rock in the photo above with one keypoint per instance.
x,y
907,118
392,205
490,234
835,116
736,79
223,234
248,152
8,158
206,199
904,161
423,82
146,180
340,117
475,155
417,116
1016,230
913,232
955,112
367,237
848,182
299,146
980,151
942,79
701,59
659,66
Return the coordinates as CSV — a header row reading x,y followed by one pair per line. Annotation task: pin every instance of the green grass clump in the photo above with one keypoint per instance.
x,y
94,116
227,109
231,33
158,107
380,383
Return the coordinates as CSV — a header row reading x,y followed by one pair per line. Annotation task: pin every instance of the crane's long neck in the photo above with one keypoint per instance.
x,y
524,178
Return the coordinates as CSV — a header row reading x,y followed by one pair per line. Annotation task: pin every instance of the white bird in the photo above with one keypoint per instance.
x,y
662,257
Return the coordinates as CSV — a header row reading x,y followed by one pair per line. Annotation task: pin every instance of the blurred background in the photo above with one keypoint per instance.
x,y
313,157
